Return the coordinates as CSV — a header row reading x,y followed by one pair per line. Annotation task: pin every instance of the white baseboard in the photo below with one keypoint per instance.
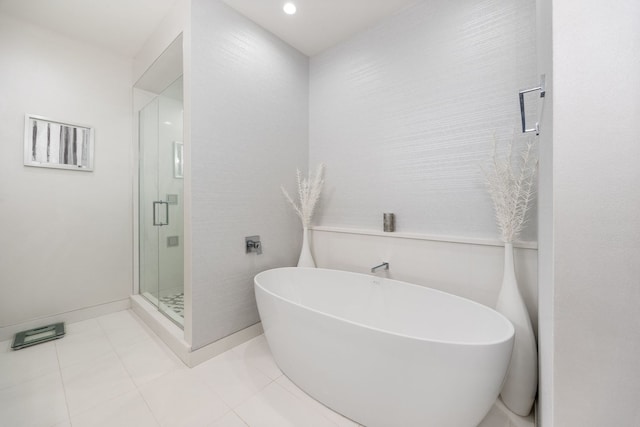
x,y
7,332
173,336
164,328
227,343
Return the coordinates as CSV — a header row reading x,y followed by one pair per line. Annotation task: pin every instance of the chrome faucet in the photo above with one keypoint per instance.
x,y
384,265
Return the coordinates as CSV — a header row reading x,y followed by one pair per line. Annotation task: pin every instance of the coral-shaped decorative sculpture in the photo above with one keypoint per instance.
x,y
511,188
309,190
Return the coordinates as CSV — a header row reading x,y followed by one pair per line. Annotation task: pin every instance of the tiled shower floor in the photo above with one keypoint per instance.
x,y
175,303
113,371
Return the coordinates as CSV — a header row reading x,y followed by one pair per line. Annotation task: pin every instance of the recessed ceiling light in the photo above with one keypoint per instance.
x,y
289,8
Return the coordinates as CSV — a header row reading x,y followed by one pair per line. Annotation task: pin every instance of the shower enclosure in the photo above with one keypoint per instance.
x,y
158,103
161,202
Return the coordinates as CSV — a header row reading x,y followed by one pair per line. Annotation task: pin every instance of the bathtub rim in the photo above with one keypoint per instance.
x,y
510,325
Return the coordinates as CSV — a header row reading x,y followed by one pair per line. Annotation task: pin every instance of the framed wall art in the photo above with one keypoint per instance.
x,y
54,144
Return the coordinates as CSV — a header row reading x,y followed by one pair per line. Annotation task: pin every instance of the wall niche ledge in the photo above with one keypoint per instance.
x,y
429,237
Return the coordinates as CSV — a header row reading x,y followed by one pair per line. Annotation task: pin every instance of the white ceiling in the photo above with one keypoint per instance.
x,y
123,26
318,24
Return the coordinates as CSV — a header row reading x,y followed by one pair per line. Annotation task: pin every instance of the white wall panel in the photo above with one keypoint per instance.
x,y
249,132
596,217
545,407
66,235
404,113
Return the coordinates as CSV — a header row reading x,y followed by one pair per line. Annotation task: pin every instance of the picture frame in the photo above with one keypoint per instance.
x,y
56,144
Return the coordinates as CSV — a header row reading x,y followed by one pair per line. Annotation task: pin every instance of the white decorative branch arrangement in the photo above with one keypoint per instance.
x,y
309,190
511,190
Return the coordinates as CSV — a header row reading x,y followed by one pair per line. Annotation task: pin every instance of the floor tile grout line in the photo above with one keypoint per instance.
x,y
113,348
135,384
263,371
102,356
258,368
195,379
212,390
74,364
85,333
139,386
93,407
243,400
310,397
109,399
240,357
296,398
155,418
245,422
148,407
35,378
64,387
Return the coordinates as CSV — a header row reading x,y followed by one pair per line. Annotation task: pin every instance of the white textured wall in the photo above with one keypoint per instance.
x,y
545,220
404,113
66,235
596,223
249,129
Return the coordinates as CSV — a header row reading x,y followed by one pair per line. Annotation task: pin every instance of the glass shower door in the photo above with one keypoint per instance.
x,y
160,203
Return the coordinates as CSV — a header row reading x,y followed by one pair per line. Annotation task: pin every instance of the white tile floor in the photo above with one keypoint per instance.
x,y
113,371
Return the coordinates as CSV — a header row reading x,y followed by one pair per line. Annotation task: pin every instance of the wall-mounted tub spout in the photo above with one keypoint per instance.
x,y
384,266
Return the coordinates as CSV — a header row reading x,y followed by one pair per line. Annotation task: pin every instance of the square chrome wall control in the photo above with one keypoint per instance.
x,y
253,244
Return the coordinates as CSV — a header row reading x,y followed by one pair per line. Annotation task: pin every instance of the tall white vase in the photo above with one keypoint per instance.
x,y
306,259
521,383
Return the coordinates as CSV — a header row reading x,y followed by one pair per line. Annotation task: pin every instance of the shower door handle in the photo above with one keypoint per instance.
x,y
155,213
521,93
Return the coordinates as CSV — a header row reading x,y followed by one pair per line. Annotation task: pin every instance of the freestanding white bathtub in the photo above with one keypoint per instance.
x,y
383,352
